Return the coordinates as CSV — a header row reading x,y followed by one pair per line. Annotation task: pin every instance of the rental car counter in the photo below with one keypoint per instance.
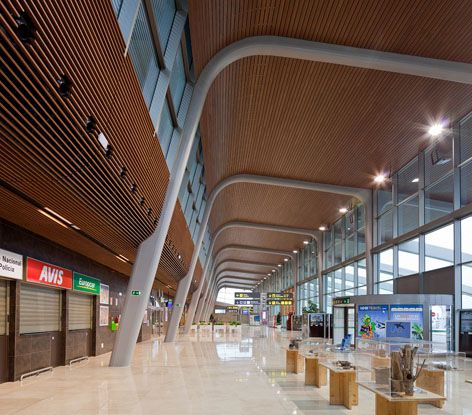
x,y
409,316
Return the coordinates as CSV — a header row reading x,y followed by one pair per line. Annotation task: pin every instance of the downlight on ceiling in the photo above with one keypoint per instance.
x,y
286,259
322,228
306,242
295,251
380,178
415,180
279,265
435,130
343,210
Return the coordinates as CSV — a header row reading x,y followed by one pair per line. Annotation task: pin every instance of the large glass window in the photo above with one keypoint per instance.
x,y
466,239
338,237
385,264
439,199
408,257
408,215
350,234
142,53
467,286
349,279
385,227
360,229
439,248
384,199
164,11
407,181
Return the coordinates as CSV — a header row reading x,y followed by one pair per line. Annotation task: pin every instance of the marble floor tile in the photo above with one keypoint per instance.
x,y
224,374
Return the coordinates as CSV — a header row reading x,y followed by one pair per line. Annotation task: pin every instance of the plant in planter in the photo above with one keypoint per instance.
x,y
312,308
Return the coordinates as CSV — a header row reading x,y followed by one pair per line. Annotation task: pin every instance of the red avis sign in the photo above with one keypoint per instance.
x,y
44,273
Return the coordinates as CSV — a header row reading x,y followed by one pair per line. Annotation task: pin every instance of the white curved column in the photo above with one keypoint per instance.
x,y
149,252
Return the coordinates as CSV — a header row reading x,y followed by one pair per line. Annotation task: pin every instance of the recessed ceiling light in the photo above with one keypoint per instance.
x,y
268,275
57,215
306,242
380,178
273,270
52,218
435,130
286,259
179,256
122,258
415,180
279,265
343,210
322,228
295,251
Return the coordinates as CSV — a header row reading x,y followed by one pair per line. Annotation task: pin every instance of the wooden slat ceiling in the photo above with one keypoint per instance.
x,y
51,160
314,121
266,239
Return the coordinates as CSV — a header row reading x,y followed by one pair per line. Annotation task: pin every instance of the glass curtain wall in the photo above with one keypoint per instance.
x,y
345,281
423,215
345,241
167,98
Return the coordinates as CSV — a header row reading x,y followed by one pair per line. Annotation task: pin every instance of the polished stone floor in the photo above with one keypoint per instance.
x,y
229,374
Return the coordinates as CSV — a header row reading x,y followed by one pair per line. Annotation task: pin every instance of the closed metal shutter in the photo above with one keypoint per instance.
x,y
3,308
80,312
40,309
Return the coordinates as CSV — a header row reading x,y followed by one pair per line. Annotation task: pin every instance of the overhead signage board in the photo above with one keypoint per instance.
x,y
48,274
279,298
250,301
85,284
248,295
341,300
247,298
232,309
11,265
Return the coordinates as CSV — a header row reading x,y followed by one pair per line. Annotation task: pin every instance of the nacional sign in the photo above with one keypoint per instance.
x,y
86,284
279,299
44,273
11,265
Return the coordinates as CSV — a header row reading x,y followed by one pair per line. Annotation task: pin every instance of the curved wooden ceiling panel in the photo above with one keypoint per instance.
x,y
320,122
250,257
53,161
268,239
276,205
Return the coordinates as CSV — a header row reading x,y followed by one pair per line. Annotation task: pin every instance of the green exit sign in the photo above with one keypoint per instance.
x,y
135,292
